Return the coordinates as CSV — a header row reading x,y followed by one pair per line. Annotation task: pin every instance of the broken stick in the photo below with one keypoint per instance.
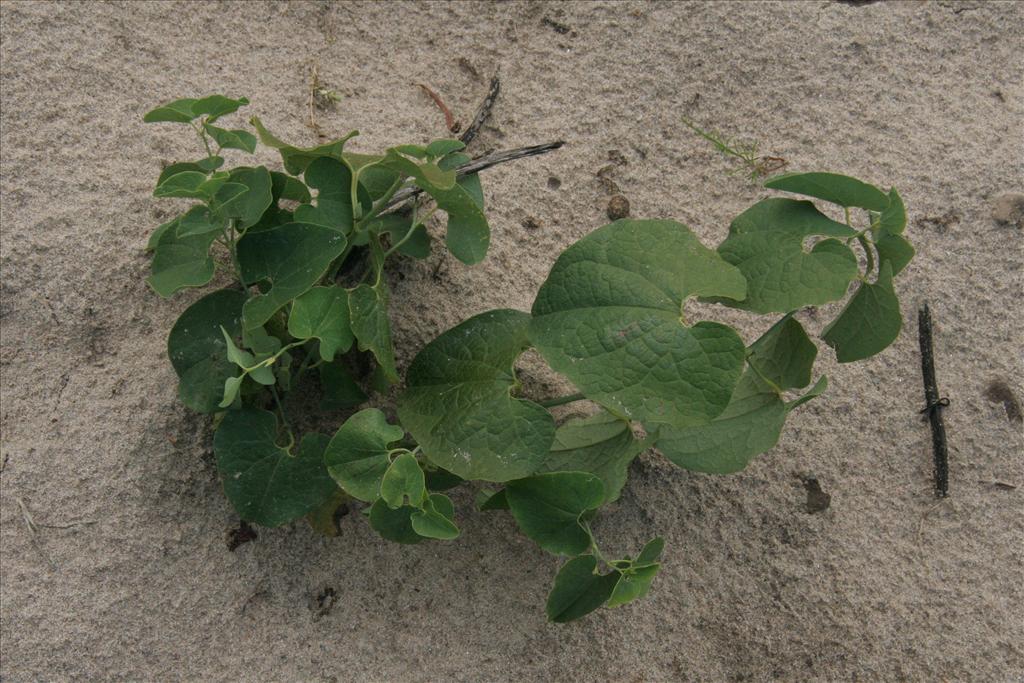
x,y
933,403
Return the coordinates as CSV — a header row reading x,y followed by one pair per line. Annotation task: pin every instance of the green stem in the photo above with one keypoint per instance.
x,y
284,417
869,253
202,136
561,400
381,203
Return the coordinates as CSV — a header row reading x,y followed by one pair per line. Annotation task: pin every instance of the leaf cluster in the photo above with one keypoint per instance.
x,y
307,248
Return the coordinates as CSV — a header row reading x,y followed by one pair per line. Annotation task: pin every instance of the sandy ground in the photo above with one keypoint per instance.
x,y
128,576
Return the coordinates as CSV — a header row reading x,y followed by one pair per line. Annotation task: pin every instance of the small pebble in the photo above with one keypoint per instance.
x,y
554,183
531,223
1009,209
618,207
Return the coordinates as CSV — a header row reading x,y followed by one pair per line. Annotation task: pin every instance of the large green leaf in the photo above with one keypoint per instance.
x,y
783,358
297,159
579,590
340,390
609,318
249,205
548,508
198,221
265,483
216,106
293,257
458,402
601,444
323,313
832,187
894,250
766,242
870,321
357,456
180,262
197,350
284,186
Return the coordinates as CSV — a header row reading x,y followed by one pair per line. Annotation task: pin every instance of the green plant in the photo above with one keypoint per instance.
x,y
611,318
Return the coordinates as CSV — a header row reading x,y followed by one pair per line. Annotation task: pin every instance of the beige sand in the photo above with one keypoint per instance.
x,y
882,586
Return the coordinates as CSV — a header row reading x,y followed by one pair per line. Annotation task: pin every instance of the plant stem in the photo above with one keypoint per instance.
x,y
284,417
561,400
202,136
415,224
869,253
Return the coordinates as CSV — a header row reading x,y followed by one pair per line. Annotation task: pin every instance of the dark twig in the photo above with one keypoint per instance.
x,y
481,164
483,113
933,403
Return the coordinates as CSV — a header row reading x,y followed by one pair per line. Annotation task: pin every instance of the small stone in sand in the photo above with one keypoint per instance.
x,y
1009,209
618,207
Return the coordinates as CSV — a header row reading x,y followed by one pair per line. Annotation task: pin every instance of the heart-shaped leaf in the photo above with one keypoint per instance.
x,y
368,307
458,405
178,111
601,444
193,184
832,187
394,525
894,250
632,584
870,321
293,257
197,350
264,482
609,318
548,508
766,243
333,180
284,186
435,519
784,355
216,106
323,313
198,221
403,482
357,456
893,219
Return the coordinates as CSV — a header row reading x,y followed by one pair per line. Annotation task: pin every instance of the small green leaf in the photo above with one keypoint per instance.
x,y
323,313
284,186
832,187
296,159
340,391
293,257
210,164
394,525
458,406
232,139
870,321
242,359
601,444
491,500
435,519
894,250
180,262
194,184
632,585
368,306
154,237
403,480
548,509
197,351
397,226
357,456
609,318
175,169
651,553
444,146
231,387
215,106
178,111
894,218
198,221
766,243
264,482
784,354
579,590
248,206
